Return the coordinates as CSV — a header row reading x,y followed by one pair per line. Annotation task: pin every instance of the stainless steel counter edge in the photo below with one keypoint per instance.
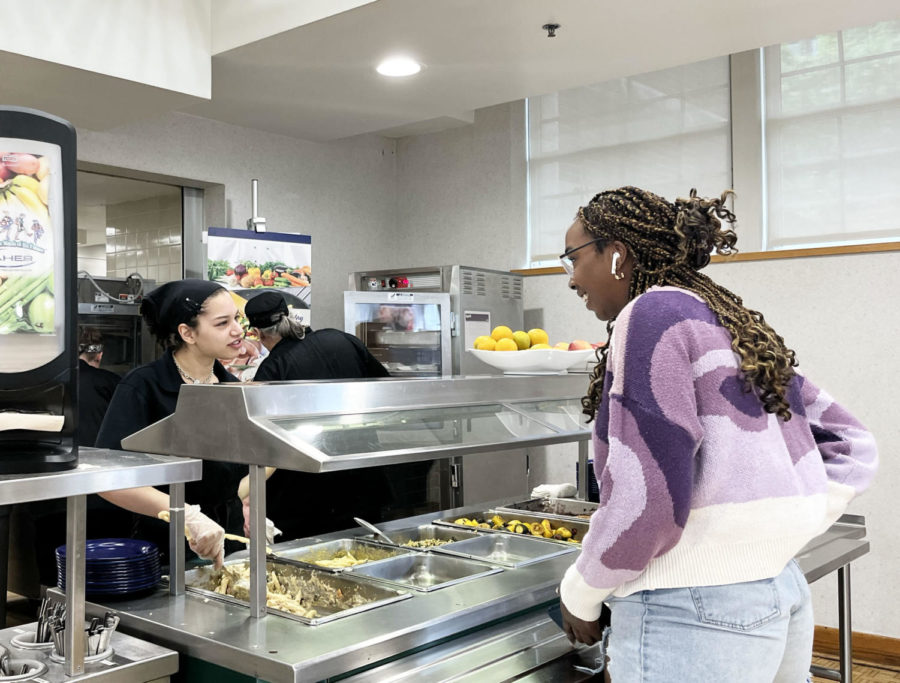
x,y
100,470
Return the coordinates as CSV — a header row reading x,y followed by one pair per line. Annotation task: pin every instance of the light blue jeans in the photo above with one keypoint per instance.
x,y
753,632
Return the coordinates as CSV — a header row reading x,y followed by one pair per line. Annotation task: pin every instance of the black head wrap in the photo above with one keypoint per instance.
x,y
266,309
173,303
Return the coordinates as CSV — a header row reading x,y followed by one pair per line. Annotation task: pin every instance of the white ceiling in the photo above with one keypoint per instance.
x,y
308,70
317,81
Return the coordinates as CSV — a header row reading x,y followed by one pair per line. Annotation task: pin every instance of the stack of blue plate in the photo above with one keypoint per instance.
x,y
114,566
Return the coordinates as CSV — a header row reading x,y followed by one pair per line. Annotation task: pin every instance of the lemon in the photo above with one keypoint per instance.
x,y
541,346
562,346
538,336
486,344
501,332
480,339
522,340
506,344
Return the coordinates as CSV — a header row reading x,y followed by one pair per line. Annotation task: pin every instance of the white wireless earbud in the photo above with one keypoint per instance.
x,y
615,267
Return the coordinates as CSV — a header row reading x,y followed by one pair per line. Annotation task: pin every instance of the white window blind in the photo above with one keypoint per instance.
x,y
666,131
833,138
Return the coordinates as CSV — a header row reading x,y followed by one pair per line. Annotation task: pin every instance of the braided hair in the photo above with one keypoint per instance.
x,y
670,244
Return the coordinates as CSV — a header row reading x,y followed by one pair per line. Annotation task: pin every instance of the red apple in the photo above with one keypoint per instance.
x,y
598,345
579,345
561,346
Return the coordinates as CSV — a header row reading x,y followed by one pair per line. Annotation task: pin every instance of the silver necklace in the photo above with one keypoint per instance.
x,y
193,380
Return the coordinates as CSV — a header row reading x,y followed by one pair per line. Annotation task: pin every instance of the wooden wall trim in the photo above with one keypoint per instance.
x,y
759,256
867,647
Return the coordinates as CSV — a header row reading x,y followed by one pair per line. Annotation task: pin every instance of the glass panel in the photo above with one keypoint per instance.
x,y
565,414
813,52
405,337
337,435
831,145
666,131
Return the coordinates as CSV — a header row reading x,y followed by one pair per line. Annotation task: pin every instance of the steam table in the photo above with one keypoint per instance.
x,y
97,470
415,639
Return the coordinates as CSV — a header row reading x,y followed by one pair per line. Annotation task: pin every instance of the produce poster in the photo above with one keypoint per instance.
x,y
245,261
30,322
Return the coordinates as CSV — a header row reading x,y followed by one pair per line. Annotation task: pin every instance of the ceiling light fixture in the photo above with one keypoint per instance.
x,y
398,66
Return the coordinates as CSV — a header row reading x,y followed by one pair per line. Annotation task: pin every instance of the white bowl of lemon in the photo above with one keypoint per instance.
x,y
529,352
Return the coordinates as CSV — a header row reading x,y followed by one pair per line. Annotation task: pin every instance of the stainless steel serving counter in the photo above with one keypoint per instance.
x,y
98,470
277,649
132,661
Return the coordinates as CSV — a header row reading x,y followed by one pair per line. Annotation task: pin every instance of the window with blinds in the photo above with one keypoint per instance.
x,y
666,131
833,138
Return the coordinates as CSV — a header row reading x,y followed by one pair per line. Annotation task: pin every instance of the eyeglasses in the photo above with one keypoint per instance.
x,y
566,262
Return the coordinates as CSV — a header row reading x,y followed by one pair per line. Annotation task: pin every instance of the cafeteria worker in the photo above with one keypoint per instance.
x,y
197,322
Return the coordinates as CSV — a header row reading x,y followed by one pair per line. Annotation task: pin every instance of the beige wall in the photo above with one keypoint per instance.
x,y
343,193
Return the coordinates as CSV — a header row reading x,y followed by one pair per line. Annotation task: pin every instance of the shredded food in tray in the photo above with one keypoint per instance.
x,y
339,562
284,590
426,543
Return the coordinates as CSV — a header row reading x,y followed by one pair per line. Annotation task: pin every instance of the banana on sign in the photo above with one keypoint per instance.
x,y
26,253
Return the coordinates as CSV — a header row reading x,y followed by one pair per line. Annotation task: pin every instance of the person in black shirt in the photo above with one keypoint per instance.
x,y
297,352
95,386
304,504
198,322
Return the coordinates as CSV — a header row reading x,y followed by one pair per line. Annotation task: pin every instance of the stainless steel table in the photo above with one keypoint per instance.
x,y
835,550
279,650
98,470
131,661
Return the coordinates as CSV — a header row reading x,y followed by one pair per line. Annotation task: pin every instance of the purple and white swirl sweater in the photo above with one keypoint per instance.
x,y
698,484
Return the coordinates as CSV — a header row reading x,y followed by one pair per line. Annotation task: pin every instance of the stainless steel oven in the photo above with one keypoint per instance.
x,y
479,300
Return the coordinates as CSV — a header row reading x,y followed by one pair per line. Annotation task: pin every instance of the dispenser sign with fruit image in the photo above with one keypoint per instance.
x,y
27,260
533,352
249,262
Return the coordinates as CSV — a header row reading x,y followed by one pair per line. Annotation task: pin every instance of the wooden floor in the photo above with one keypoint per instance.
x,y
862,671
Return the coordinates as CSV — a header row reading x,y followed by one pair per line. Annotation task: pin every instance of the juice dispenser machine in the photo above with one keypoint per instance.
x,y
38,344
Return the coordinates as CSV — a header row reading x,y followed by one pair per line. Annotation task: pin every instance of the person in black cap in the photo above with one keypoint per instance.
x,y
299,353
197,322
95,385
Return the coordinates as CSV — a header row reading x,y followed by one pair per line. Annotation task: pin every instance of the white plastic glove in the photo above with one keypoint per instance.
x,y
554,491
205,537
271,530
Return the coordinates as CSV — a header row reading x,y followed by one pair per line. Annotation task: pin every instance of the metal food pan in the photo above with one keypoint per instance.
x,y
558,507
506,549
578,528
361,549
360,595
424,571
424,533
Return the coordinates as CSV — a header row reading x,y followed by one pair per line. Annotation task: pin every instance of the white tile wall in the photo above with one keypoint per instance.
x,y
146,239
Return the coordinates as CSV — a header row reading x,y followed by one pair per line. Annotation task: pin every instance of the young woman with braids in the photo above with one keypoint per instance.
x,y
716,461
